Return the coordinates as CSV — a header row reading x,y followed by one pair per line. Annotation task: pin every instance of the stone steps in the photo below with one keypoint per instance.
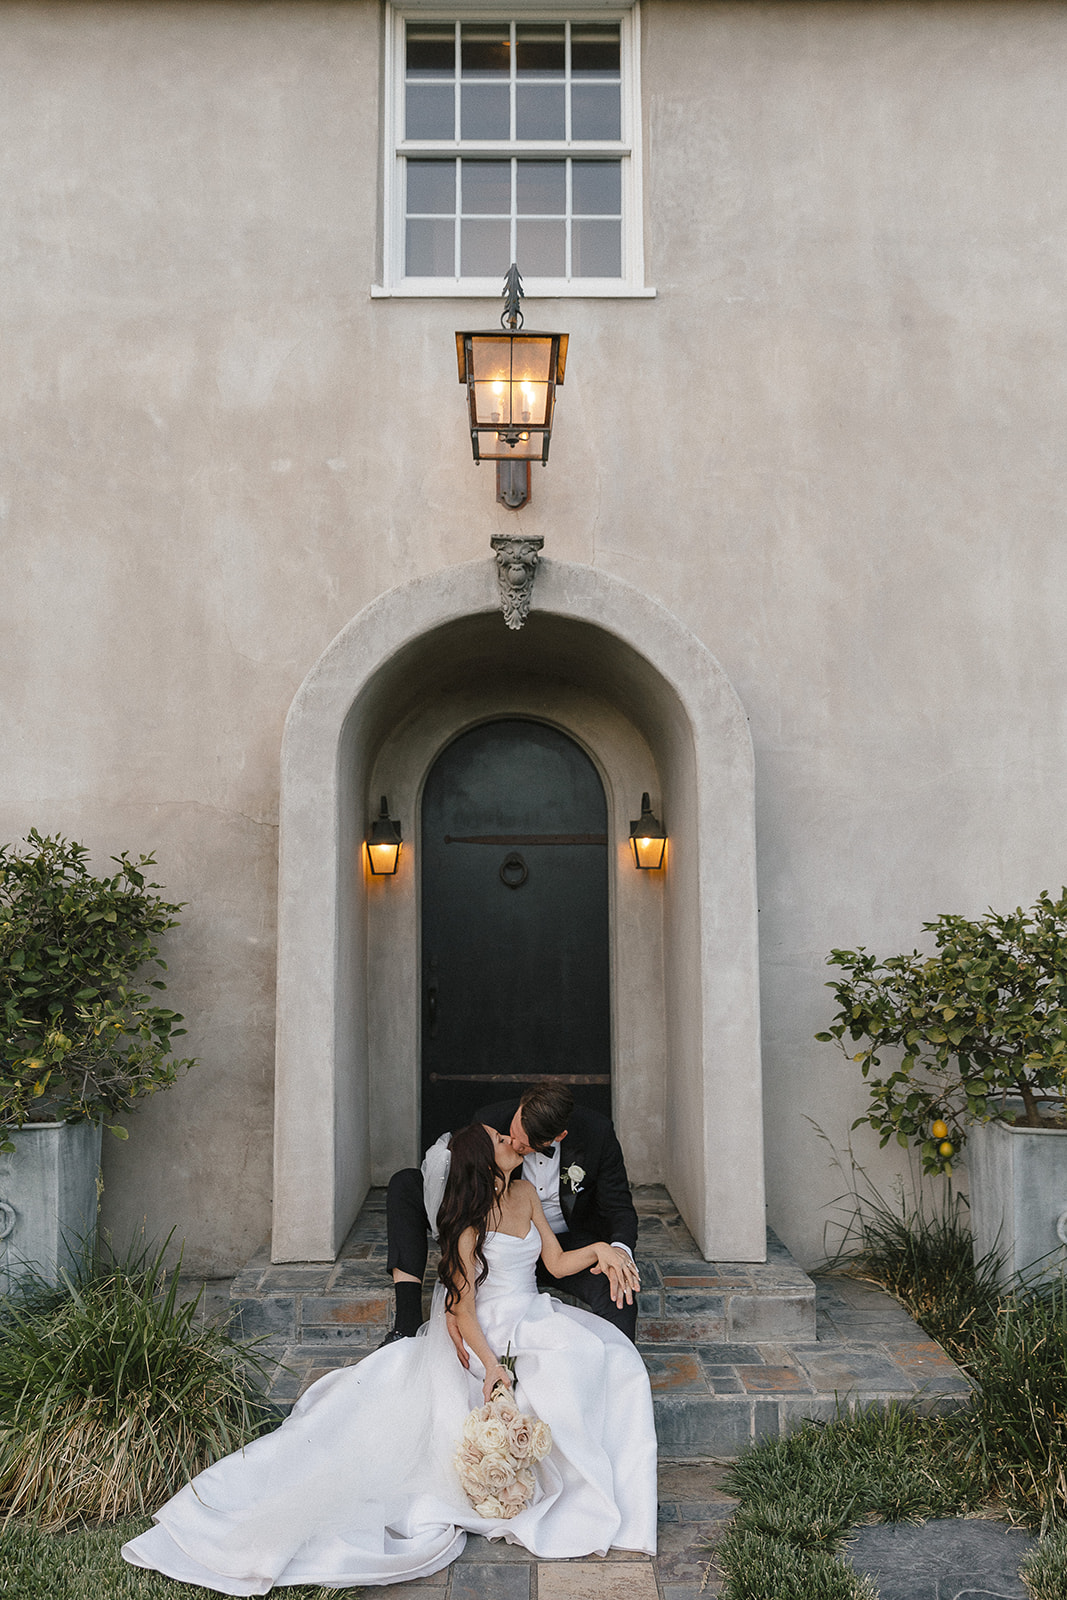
x,y
735,1351
683,1297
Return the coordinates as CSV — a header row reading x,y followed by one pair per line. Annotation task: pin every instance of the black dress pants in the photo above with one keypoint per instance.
x,y
407,1230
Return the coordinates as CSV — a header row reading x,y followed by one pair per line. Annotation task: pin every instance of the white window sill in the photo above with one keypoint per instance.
x,y
547,289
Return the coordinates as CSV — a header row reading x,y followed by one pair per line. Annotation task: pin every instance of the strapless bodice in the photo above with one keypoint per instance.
x,y
512,1264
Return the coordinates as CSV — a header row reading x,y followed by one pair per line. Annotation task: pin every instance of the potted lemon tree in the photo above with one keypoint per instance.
x,y
967,1045
83,1037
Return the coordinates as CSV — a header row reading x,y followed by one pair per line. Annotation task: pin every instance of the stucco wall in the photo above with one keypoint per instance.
x,y
831,445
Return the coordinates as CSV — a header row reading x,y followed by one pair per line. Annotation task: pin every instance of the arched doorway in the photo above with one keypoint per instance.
x,y
515,960
418,665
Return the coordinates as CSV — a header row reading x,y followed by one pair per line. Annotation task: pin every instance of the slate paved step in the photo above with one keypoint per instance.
x,y
683,1297
735,1351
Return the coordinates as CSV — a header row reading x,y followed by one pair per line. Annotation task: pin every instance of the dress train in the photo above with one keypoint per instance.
x,y
357,1486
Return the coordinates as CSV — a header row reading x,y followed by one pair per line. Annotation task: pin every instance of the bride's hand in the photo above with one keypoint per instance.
x,y
457,1339
495,1374
624,1281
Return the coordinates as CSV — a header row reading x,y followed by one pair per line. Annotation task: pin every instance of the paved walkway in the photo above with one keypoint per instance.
x,y
954,1558
693,1509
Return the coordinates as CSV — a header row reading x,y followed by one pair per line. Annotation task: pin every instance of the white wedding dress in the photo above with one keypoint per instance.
x,y
357,1485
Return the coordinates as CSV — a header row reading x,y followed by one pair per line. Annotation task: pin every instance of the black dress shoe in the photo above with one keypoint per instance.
x,y
392,1336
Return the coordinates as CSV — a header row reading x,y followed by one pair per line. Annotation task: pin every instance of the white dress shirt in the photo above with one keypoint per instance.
x,y
542,1171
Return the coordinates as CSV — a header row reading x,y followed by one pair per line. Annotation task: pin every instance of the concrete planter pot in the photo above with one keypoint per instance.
x,y
1018,1187
48,1199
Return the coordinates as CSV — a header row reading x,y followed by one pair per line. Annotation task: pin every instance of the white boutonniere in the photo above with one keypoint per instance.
x,y
572,1176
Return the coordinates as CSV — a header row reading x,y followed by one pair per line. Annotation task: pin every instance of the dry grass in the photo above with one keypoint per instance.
x,y
113,1394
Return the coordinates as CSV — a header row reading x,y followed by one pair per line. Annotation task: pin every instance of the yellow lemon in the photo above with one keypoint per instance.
x,y
939,1129
944,1148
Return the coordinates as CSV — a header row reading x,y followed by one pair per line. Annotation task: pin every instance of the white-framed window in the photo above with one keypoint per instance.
x,y
512,135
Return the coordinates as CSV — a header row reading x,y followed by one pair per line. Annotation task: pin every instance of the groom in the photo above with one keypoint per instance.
x,y
572,1157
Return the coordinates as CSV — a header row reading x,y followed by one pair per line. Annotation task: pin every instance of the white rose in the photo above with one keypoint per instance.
x,y
519,1438
516,1496
540,1439
497,1471
493,1436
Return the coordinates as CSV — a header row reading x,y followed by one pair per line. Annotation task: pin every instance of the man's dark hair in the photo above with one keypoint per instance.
x,y
543,1111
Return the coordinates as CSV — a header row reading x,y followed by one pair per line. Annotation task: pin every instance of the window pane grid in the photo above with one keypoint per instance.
x,y
472,212
485,80
482,86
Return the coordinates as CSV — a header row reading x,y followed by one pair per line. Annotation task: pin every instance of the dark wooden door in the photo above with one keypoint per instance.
x,y
515,982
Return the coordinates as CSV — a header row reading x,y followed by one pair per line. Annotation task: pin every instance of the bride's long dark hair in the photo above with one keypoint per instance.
x,y
474,1184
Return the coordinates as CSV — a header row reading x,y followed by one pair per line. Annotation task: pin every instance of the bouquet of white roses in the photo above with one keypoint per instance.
x,y
499,1449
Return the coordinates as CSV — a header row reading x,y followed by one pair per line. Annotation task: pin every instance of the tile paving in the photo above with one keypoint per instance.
x,y
735,1352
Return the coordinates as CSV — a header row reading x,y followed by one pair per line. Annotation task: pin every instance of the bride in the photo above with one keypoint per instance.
x,y
357,1486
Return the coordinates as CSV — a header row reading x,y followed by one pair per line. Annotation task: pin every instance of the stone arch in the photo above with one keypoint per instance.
x,y
641,691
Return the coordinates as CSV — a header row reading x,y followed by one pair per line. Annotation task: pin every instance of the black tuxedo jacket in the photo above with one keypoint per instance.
x,y
603,1207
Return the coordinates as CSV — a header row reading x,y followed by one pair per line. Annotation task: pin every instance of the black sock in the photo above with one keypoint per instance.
x,y
408,1307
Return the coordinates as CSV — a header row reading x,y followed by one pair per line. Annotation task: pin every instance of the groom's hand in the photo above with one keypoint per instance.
x,y
457,1339
624,1281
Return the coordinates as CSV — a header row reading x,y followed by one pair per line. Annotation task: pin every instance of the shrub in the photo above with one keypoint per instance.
x,y
985,1017
77,1038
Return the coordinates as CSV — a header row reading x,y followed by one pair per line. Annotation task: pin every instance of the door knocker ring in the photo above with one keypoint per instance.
x,y
514,871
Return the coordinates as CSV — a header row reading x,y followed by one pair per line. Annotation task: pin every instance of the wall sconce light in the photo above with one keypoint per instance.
x,y
383,843
648,838
511,380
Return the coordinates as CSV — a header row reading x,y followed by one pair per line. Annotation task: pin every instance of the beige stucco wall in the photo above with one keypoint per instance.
x,y
831,445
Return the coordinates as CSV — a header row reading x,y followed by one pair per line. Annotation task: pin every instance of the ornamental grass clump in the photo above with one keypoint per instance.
x,y
920,1247
975,1031
113,1394
1019,1416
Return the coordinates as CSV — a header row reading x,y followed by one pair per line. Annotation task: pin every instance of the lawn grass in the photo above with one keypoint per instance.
x,y
800,1495
85,1564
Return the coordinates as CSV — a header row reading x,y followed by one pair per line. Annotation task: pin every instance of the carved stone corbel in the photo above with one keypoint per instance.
x,y
516,565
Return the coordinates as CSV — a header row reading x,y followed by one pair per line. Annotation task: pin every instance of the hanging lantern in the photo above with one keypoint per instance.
x,y
511,379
